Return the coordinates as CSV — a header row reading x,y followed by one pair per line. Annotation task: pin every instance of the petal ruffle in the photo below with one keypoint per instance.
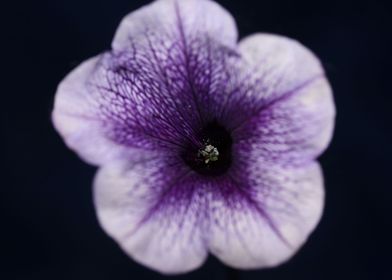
x,y
268,217
155,210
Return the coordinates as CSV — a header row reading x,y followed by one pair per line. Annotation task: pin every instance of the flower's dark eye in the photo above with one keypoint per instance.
x,y
213,156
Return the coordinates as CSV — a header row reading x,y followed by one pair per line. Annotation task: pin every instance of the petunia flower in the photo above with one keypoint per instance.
x,y
204,145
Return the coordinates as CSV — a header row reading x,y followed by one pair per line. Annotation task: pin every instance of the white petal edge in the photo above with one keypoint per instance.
x,y
282,63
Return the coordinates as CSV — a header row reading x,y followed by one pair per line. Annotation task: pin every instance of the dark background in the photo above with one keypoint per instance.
x,y
48,227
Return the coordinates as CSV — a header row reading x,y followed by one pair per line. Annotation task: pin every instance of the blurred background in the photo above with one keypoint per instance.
x,y
48,227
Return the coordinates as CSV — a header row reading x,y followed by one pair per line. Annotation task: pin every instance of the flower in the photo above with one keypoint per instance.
x,y
204,145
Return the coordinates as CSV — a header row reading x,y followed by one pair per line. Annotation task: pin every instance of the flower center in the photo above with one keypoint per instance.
x,y
209,153
213,157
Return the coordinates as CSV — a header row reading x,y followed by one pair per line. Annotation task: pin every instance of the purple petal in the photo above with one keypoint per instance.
x,y
155,210
273,211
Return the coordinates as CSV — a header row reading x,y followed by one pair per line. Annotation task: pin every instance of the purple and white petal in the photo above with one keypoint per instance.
x,y
290,131
155,210
182,48
270,212
76,118
176,20
282,104
271,68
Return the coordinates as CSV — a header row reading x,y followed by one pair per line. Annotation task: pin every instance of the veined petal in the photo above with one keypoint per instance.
x,y
272,68
172,20
271,214
155,210
76,119
183,48
290,131
281,104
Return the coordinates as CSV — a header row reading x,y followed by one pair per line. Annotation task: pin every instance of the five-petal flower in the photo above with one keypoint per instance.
x,y
204,144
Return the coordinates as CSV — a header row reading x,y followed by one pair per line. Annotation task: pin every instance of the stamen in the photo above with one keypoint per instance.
x,y
209,153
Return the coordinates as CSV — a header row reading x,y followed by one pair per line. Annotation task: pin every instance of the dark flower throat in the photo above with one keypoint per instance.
x,y
214,157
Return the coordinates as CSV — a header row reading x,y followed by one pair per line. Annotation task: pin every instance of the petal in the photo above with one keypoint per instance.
x,y
294,130
75,117
172,20
154,210
272,68
269,217
180,49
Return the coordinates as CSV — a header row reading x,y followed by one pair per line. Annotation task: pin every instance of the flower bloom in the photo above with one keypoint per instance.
x,y
204,145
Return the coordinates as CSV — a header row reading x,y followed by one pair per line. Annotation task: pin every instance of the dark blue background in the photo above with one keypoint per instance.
x,y
48,227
